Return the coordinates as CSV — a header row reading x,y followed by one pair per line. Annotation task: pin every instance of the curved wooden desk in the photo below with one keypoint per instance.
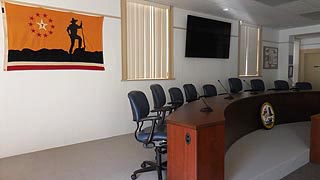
x,y
197,141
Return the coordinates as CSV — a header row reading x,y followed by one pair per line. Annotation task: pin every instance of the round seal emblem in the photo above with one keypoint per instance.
x,y
267,116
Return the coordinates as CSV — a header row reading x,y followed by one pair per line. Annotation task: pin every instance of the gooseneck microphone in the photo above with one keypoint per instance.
x,y
251,91
229,95
207,108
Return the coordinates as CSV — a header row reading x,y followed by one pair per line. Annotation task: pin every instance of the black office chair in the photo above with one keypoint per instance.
x,y
159,100
257,85
281,85
235,85
190,92
209,90
303,86
152,137
176,97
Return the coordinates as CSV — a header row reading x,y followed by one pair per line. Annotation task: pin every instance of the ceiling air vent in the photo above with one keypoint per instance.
x,y
274,2
312,15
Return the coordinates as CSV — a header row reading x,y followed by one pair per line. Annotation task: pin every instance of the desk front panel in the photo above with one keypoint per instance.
x,y
215,132
243,115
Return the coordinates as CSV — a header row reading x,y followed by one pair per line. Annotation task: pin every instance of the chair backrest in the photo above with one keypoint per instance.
x,y
281,85
235,85
190,92
159,97
257,85
139,105
209,90
303,85
176,96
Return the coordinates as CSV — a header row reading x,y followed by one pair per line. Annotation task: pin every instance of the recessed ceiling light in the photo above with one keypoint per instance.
x,y
225,9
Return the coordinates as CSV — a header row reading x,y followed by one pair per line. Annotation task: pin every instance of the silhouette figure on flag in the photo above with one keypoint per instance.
x,y
73,34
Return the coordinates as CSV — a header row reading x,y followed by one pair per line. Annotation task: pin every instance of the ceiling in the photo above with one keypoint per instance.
x,y
279,14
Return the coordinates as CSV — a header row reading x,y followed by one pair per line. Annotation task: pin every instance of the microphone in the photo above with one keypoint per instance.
x,y
207,108
251,91
228,97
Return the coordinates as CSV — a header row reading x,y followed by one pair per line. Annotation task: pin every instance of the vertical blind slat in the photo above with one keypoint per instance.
x,y
147,41
249,50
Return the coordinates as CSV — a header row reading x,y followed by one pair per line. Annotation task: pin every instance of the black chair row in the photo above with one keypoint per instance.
x,y
258,85
236,85
191,94
284,85
176,96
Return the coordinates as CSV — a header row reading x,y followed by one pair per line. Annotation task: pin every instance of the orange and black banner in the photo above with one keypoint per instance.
x,y
44,39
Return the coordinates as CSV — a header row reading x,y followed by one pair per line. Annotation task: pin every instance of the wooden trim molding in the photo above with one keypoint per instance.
x,y
260,63
171,45
124,38
239,40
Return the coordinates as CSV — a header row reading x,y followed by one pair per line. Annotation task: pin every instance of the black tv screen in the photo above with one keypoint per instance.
x,y
207,38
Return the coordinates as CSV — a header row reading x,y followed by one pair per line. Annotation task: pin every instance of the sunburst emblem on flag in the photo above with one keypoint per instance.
x,y
41,25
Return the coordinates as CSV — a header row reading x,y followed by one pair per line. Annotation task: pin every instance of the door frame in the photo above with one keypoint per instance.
x,y
303,54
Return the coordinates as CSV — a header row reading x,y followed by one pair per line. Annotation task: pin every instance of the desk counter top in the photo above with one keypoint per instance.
x,y
189,115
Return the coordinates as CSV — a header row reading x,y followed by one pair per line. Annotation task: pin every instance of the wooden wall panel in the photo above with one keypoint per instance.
x,y
315,139
182,160
211,153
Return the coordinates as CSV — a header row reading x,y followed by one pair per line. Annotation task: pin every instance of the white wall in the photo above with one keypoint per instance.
x,y
46,109
270,38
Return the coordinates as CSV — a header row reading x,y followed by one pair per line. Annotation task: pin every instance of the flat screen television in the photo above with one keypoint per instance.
x,y
207,38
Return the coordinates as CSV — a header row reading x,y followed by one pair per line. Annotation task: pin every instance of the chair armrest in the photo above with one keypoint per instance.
x,y
151,118
150,137
222,94
272,89
162,109
176,102
154,120
248,90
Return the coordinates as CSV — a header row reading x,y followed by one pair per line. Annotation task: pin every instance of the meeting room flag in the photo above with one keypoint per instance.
x,y
43,39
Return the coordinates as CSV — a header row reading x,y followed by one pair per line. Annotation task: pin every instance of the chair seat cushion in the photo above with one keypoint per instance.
x,y
160,133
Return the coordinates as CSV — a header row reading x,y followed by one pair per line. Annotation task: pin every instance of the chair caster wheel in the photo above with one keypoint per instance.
x,y
133,177
143,165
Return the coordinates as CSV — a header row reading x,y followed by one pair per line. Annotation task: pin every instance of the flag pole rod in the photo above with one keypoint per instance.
x,y
61,9
84,41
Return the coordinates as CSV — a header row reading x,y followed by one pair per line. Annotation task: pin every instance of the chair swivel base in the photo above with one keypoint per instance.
x,y
147,166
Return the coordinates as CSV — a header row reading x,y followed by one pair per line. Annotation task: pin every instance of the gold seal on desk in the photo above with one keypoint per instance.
x,y
267,115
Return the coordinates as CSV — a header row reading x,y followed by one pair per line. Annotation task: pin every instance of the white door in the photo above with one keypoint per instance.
x,y
312,69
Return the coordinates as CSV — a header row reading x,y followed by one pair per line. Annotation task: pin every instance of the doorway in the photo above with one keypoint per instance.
x,y
310,67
